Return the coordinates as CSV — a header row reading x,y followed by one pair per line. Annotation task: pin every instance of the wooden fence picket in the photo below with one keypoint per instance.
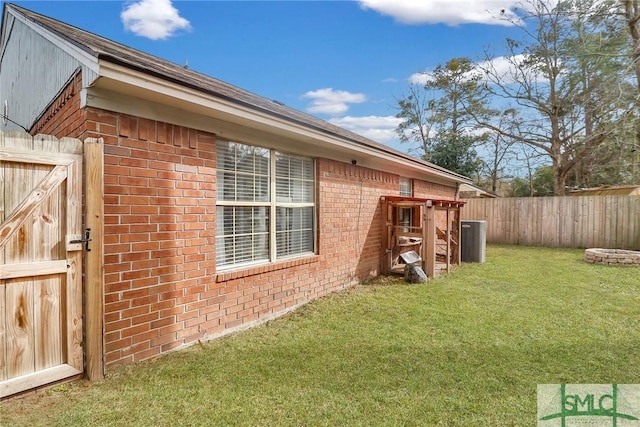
x,y
573,222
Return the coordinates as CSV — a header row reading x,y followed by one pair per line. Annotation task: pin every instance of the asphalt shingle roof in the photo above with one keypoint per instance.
x,y
110,51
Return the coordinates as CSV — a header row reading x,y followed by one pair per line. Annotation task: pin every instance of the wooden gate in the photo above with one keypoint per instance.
x,y
40,267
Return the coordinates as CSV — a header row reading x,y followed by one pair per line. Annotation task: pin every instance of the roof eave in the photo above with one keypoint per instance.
x,y
116,72
250,110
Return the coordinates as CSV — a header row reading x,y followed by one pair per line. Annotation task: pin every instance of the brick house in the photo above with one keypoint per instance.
x,y
221,209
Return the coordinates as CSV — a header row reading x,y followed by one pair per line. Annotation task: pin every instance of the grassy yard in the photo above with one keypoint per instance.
x,y
466,349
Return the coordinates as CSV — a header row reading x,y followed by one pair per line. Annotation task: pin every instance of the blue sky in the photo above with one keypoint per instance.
x,y
343,61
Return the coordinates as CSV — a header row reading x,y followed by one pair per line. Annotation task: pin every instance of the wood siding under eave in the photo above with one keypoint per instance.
x,y
31,61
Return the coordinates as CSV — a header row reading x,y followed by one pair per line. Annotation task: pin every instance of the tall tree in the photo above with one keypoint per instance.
x,y
418,114
439,116
597,74
530,159
499,149
456,152
632,15
567,80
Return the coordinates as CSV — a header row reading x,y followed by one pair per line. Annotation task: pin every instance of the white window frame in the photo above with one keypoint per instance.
x,y
272,205
407,182
405,215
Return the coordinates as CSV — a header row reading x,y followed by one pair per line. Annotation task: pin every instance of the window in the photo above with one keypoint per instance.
x,y
406,187
265,206
405,215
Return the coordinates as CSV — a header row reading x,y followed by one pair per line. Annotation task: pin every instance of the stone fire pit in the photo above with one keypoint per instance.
x,y
619,257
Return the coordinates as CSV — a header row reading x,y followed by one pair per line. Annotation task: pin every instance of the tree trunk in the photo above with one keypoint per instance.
x,y
632,14
559,179
559,187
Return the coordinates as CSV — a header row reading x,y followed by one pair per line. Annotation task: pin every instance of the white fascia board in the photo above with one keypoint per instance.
x,y
84,57
228,110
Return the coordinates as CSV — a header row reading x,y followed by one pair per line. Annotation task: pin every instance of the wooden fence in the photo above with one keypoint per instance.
x,y
573,222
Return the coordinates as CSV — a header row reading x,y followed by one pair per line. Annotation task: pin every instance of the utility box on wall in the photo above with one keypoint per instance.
x,y
473,240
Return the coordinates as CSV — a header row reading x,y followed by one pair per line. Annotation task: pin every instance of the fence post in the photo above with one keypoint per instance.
x,y
94,260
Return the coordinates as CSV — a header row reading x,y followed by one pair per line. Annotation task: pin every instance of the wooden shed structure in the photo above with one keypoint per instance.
x,y
429,227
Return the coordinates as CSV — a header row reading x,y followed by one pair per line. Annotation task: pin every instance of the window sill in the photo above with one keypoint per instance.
x,y
265,268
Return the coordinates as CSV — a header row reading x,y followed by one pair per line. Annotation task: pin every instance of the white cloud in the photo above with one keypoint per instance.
x,y
505,68
420,78
425,77
502,67
332,102
450,12
378,128
154,19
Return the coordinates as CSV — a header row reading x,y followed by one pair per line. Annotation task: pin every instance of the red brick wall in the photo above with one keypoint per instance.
x,y
350,218
64,116
161,287
430,190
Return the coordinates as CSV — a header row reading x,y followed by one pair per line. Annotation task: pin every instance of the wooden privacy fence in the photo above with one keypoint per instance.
x,y
572,222
46,333
40,266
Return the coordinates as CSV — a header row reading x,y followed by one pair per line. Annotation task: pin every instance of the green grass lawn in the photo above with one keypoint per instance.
x,y
466,349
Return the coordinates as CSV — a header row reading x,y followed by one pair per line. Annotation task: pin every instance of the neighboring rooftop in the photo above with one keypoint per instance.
x,y
472,191
616,190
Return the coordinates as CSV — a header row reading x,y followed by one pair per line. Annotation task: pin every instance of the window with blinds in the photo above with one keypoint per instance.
x,y
265,205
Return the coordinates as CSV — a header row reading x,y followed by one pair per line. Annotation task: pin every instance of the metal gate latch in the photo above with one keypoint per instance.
x,y
86,240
